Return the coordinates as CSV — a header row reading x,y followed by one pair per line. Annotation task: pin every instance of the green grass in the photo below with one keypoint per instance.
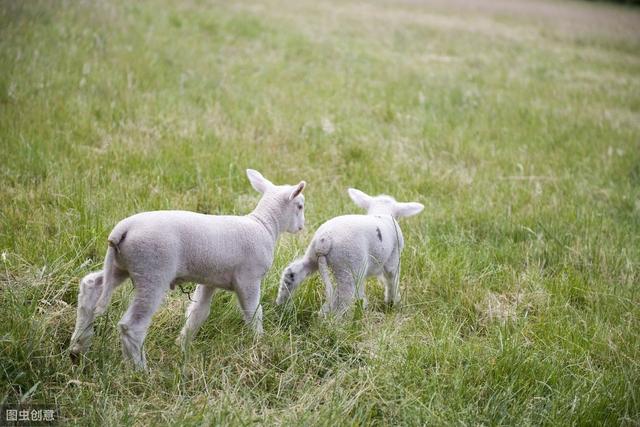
x,y
519,129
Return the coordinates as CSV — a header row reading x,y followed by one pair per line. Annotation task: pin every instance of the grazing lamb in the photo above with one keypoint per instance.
x,y
161,249
354,247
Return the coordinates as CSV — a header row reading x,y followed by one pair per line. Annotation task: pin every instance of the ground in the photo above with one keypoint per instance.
x,y
516,123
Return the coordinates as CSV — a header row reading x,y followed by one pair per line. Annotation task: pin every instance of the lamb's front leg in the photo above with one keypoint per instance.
x,y
196,314
248,291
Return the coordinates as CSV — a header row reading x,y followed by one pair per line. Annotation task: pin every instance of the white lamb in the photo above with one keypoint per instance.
x,y
161,249
354,247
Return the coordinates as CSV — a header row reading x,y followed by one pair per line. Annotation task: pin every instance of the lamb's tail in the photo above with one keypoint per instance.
x,y
116,237
107,284
109,270
323,246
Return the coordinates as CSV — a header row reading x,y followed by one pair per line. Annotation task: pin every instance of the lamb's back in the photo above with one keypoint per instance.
x,y
366,234
193,240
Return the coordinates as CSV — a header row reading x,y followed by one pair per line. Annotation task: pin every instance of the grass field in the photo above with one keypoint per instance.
x,y
516,123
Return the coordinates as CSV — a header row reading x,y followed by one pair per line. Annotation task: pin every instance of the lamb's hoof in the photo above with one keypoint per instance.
x,y
391,305
257,331
182,342
324,311
138,367
75,354
281,299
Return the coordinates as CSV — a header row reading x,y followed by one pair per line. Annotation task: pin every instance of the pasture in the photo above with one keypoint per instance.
x,y
516,124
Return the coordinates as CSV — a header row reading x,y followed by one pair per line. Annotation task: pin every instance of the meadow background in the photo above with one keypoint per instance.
x,y
516,123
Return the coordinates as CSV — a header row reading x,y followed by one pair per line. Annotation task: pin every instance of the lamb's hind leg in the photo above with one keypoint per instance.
x,y
135,322
391,280
361,291
113,277
196,314
345,291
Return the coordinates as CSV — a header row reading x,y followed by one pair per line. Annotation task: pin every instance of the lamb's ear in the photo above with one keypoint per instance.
x,y
258,182
297,190
359,198
408,209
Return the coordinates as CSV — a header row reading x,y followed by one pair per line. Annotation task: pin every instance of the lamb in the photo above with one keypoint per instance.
x,y
161,249
354,247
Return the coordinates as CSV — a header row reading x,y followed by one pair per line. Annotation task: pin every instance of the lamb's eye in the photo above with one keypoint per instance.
x,y
300,206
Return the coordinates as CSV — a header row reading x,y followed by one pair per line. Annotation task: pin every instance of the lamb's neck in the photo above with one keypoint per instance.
x,y
379,211
267,213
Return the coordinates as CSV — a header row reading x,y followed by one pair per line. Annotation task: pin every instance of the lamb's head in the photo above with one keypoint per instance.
x,y
90,290
384,205
281,203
